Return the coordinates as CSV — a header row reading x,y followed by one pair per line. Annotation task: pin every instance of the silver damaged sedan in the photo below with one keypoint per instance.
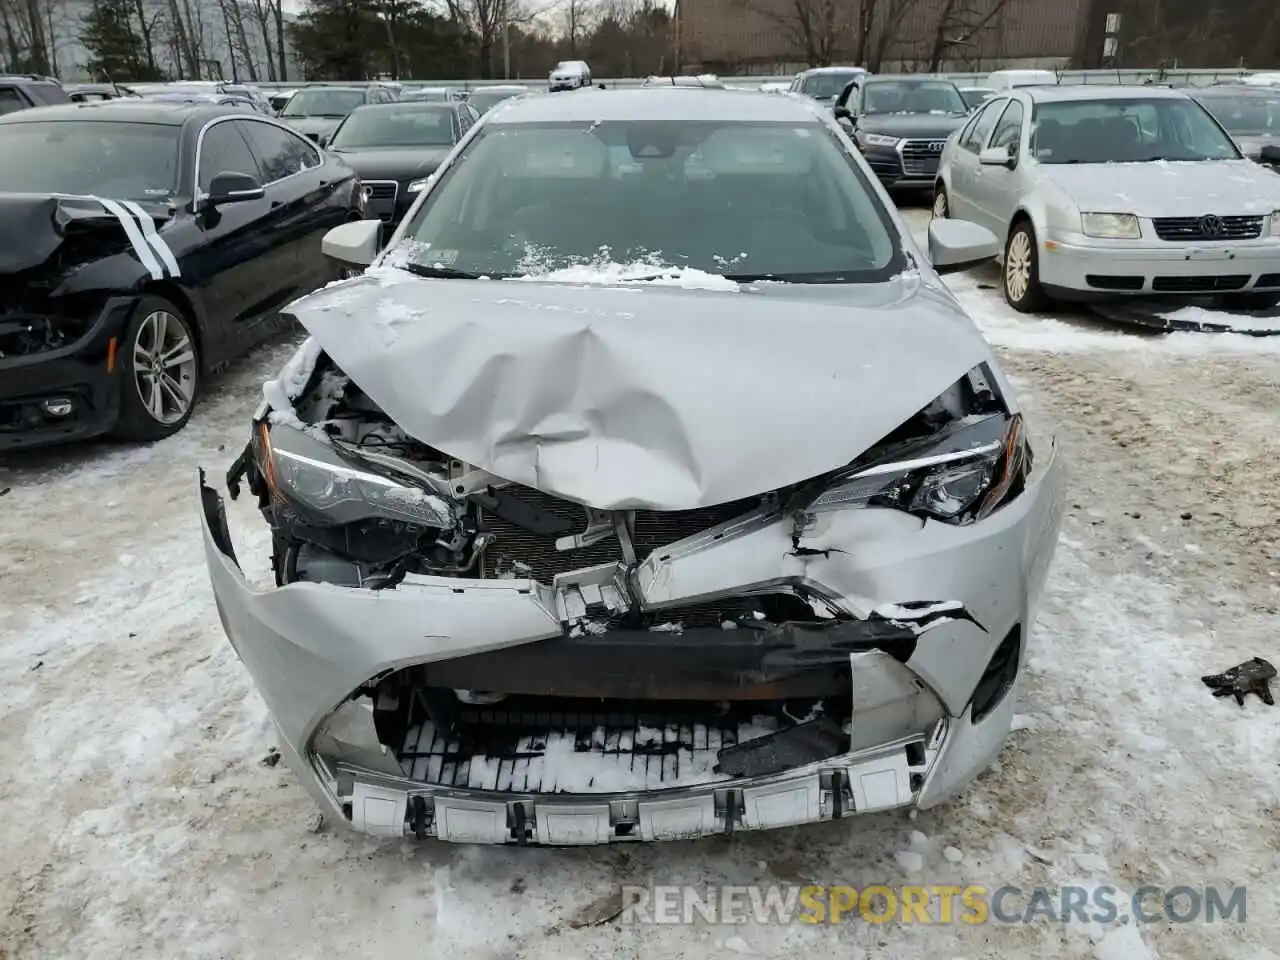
x,y
648,485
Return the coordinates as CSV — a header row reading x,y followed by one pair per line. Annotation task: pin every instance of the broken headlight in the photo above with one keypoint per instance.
x,y
961,477
308,472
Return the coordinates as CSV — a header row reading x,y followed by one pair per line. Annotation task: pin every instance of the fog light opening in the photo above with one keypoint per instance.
x,y
997,680
57,407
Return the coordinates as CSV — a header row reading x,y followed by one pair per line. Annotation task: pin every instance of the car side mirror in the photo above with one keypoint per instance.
x,y
228,187
996,157
322,140
843,113
1270,155
354,244
956,245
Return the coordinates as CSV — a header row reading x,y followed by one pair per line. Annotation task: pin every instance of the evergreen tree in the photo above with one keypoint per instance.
x,y
115,51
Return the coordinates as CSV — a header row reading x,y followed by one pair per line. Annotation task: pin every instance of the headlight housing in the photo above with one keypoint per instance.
x,y
880,140
306,472
1275,223
417,186
1111,226
974,463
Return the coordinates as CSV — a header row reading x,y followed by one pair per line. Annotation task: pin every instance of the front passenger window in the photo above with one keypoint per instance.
x,y
223,150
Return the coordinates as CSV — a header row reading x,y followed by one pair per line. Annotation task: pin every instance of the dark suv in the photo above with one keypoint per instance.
x,y
20,91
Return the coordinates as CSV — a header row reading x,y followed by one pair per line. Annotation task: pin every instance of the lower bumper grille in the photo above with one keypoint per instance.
x,y
1199,284
572,750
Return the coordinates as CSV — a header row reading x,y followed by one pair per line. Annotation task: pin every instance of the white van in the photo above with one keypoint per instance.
x,y
1004,80
569,75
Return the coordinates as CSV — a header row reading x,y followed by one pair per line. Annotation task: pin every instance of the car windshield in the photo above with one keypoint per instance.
x,y
121,161
1128,130
484,100
912,96
825,86
641,200
975,96
1246,115
319,102
417,125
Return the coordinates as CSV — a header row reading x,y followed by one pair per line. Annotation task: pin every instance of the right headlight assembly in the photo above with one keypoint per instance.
x,y
959,475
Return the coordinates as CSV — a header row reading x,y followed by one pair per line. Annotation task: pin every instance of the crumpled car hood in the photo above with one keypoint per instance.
x,y
639,396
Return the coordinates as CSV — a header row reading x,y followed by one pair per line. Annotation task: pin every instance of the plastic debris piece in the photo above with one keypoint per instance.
x,y
1252,676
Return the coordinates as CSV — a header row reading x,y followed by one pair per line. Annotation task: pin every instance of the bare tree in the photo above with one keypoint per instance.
x,y
960,25
483,19
577,22
812,28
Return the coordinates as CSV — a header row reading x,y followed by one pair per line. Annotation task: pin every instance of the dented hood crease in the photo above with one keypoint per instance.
x,y
639,396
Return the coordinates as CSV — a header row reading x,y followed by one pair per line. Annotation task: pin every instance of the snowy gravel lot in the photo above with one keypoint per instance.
x,y
139,821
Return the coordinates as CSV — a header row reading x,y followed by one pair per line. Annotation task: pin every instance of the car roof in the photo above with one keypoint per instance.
x,y
426,106
812,71
655,104
1055,93
906,78
342,87
1234,90
173,113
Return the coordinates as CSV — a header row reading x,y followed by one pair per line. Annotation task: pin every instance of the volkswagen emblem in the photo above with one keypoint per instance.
x,y
936,146
1211,226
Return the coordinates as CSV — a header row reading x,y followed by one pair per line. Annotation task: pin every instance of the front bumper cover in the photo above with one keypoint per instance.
x,y
77,371
914,740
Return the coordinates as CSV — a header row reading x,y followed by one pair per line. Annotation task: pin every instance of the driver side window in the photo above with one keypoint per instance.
x,y
1009,129
223,150
975,135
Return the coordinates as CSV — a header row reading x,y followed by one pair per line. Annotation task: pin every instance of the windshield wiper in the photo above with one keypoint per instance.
x,y
438,272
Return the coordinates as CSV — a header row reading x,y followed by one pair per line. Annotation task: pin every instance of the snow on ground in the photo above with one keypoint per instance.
x,y
138,820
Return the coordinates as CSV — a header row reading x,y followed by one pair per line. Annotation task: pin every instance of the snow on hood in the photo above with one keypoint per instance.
x,y
638,396
1169,188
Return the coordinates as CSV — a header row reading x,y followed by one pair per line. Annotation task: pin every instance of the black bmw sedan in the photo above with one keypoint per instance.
x,y
142,245
394,148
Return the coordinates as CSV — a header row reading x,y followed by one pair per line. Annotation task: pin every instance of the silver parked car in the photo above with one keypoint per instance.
x,y
638,504
1112,192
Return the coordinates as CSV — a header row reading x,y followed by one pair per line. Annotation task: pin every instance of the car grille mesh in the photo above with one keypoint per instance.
x,y
1208,228
522,746
653,530
919,159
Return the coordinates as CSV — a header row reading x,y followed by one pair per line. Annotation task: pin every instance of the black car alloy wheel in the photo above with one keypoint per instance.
x,y
161,372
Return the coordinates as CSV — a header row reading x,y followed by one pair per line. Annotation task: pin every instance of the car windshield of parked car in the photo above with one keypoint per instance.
x,y
319,102
485,101
429,95
1127,131
912,96
1248,115
644,200
123,161
976,96
824,86
419,125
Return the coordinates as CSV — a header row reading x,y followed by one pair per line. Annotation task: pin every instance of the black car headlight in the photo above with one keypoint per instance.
x,y
311,474
960,475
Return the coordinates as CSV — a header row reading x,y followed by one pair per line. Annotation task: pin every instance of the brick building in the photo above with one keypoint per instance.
x,y
765,36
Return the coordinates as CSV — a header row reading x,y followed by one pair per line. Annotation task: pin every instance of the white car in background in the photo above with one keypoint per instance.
x,y
1104,192
569,75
